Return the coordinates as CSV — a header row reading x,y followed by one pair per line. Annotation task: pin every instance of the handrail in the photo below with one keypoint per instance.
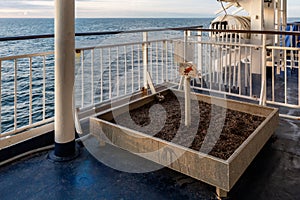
x,y
249,31
30,37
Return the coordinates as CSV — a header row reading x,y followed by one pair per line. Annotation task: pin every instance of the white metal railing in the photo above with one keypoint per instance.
x,y
102,73
24,94
111,71
225,66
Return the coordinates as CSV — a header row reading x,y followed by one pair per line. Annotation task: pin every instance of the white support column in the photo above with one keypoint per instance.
x,y
64,80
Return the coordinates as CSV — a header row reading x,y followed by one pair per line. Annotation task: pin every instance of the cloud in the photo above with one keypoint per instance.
x,y
121,8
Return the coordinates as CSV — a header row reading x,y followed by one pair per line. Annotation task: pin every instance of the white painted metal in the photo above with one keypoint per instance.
x,y
44,87
109,74
15,94
0,97
82,78
263,94
30,91
101,76
64,70
132,68
187,100
92,77
145,58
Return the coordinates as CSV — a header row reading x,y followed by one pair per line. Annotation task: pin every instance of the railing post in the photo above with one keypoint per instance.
x,y
187,33
145,58
263,93
199,38
65,148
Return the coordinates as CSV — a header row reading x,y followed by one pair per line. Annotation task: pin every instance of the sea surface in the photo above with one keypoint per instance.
x,y
25,27
22,27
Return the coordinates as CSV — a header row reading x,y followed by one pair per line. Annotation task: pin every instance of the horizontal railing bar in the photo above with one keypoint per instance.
x,y
79,49
283,104
273,32
283,48
26,56
30,37
191,28
222,92
126,44
289,117
18,130
226,43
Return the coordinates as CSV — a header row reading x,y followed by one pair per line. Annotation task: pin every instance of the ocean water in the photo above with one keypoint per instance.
x,y
23,27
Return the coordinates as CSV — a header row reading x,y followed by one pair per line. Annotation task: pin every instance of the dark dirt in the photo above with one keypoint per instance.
x,y
214,130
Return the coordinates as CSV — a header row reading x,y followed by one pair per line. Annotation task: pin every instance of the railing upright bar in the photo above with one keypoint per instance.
x,y
285,78
82,78
15,93
227,50
125,68
246,68
109,74
101,76
234,69
156,56
132,68
162,61
298,78
167,64
44,87
92,74
145,58
273,78
250,84
0,97
202,65
30,91
139,65
240,72
172,76
230,63
263,96
210,67
118,75
151,60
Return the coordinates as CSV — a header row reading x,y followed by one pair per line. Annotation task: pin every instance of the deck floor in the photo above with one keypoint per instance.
x,y
274,174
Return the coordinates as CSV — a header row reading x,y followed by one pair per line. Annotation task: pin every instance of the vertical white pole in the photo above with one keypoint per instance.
x,y
187,92
145,58
64,78
199,66
263,93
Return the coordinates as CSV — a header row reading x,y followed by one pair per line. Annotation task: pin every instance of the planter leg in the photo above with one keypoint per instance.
x,y
221,193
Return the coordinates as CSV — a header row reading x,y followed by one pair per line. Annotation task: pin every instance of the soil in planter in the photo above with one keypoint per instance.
x,y
215,130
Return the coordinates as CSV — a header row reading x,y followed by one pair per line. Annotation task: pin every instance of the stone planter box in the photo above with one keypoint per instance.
x,y
222,174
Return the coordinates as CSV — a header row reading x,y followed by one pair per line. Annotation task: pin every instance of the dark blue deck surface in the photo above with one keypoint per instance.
x,y
274,174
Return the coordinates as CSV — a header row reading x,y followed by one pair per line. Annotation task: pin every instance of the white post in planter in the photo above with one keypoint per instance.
x,y
64,80
187,70
187,105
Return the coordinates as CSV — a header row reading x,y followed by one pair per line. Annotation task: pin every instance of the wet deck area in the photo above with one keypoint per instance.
x,y
274,174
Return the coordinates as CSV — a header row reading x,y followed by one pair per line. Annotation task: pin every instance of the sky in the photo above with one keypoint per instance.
x,y
121,8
